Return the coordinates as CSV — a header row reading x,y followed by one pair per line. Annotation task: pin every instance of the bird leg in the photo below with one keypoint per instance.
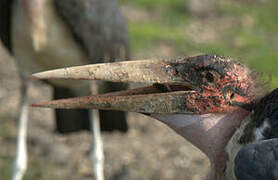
x,y
34,10
96,154
20,162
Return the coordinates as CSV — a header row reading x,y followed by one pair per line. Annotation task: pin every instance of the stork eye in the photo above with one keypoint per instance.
x,y
210,77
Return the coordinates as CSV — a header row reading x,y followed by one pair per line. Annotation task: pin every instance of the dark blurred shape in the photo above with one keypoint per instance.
x,y
99,29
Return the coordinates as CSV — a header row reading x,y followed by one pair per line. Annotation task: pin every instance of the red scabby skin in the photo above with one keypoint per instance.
x,y
221,84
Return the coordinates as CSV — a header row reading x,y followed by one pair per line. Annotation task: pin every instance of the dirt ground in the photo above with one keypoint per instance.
x,y
149,150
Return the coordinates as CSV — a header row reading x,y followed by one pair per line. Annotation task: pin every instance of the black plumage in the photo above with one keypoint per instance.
x,y
259,159
5,22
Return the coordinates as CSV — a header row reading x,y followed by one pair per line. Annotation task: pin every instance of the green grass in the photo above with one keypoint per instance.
x,y
5,167
255,44
146,35
36,170
40,170
258,48
172,5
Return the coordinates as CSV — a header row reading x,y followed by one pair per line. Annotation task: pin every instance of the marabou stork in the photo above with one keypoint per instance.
x,y
211,101
47,34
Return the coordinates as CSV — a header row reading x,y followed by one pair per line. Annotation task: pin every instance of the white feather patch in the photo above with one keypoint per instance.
x,y
233,148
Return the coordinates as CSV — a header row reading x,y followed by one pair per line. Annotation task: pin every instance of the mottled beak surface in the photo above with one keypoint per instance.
x,y
194,85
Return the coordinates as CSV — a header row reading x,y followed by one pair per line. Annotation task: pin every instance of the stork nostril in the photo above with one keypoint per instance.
x,y
232,96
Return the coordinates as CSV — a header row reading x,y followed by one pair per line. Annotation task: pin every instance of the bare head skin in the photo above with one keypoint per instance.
x,y
202,98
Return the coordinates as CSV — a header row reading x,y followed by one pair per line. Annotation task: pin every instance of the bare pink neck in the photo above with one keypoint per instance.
x,y
217,169
210,133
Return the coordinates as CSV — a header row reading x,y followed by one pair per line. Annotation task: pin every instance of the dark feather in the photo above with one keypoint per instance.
x,y
5,22
99,27
70,120
258,161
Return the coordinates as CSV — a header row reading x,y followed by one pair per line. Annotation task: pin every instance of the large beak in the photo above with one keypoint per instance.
x,y
171,93
142,71
131,100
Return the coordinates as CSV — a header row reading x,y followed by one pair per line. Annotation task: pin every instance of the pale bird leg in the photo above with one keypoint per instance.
x,y
96,155
20,162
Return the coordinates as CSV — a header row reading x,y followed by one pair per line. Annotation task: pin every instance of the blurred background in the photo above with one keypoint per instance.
x,y
246,30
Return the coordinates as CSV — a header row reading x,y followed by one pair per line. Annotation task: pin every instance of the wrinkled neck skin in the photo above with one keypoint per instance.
x,y
209,132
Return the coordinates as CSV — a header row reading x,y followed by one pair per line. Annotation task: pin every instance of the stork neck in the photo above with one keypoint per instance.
x,y
209,132
217,167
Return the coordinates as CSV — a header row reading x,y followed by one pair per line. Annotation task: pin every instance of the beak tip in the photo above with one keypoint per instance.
x,y
34,105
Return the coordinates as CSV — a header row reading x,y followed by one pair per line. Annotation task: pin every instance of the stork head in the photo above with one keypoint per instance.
x,y
194,85
203,98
